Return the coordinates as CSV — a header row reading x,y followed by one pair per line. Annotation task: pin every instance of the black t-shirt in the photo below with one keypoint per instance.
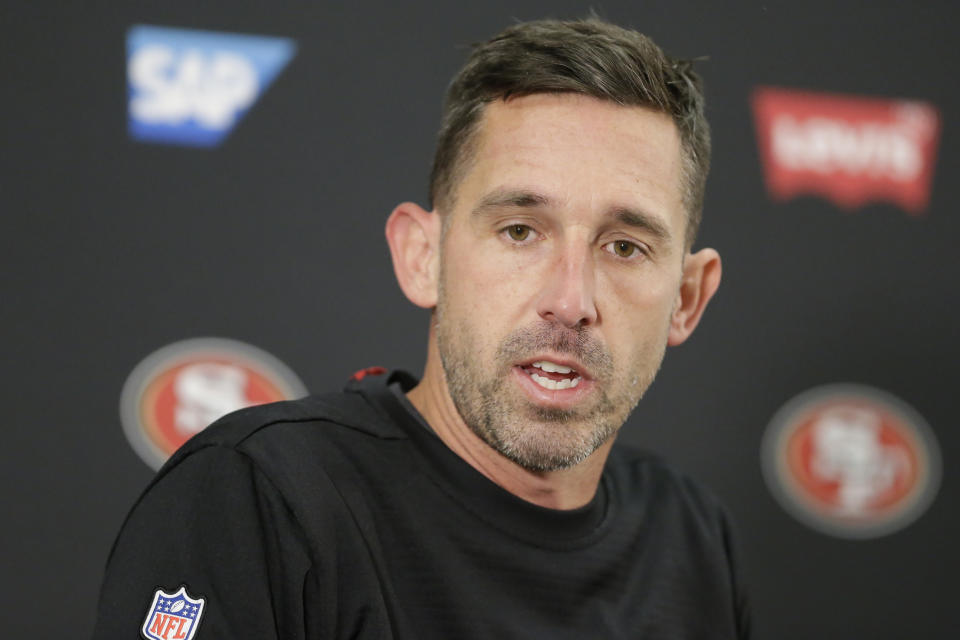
x,y
342,516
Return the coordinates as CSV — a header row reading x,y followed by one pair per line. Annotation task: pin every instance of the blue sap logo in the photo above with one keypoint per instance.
x,y
192,87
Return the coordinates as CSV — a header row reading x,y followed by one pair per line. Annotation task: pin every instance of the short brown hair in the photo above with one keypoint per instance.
x,y
589,57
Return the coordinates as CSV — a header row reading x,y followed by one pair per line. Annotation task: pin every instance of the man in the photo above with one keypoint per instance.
x,y
486,500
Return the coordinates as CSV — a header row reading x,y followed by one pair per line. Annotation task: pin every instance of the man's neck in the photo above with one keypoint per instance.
x,y
563,489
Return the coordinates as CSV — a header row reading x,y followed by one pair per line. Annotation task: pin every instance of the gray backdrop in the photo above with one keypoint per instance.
x,y
114,248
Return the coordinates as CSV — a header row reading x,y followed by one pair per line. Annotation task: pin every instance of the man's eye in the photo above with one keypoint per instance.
x,y
518,232
623,249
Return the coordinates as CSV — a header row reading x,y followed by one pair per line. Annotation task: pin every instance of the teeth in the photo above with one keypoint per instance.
x,y
556,385
551,367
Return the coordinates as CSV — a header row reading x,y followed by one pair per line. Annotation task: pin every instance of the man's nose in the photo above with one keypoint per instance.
x,y
568,289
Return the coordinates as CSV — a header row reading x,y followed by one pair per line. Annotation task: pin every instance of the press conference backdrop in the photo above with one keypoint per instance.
x,y
193,199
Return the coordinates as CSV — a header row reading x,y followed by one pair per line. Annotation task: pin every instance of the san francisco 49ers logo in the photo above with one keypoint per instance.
x,y
851,461
180,389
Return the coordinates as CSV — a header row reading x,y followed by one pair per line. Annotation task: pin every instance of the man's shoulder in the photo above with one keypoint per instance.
x,y
304,449
690,534
645,475
295,428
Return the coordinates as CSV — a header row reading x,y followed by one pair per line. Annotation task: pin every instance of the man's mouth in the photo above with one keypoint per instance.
x,y
551,375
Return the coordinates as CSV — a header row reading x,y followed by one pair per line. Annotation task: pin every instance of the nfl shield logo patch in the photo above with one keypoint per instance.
x,y
172,616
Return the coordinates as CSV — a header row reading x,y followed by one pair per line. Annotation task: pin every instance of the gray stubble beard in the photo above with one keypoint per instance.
x,y
535,438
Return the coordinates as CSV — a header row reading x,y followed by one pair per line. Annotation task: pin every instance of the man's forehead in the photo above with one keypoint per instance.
x,y
569,146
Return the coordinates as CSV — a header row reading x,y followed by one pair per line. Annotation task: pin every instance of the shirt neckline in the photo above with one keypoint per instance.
x,y
477,493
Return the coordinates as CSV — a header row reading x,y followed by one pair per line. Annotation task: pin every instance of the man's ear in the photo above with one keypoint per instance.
x,y
414,238
701,277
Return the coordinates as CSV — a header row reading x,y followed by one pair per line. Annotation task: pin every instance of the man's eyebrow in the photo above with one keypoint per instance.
x,y
642,220
519,198
524,198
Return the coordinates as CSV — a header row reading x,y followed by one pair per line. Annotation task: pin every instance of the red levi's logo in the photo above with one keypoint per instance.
x,y
851,150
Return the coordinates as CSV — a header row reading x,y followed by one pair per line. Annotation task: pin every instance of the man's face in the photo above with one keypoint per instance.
x,y
560,266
